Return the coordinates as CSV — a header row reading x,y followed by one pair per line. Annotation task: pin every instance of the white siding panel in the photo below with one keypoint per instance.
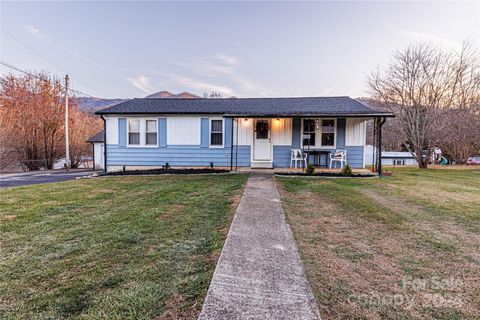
x,y
282,132
245,132
183,130
98,155
112,130
355,132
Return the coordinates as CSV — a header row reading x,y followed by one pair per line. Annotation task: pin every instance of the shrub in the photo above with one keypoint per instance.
x,y
310,169
347,170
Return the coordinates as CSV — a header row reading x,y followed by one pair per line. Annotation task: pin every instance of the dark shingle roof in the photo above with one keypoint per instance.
x,y
99,137
312,106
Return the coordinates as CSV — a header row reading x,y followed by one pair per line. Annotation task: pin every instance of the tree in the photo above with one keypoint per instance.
x,y
81,126
422,85
32,118
213,95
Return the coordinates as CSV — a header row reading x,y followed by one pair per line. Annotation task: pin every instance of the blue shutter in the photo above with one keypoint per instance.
x,y
204,132
228,132
162,132
296,132
122,132
341,127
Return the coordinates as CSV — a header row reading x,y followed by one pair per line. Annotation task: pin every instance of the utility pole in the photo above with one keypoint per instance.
x,y
67,147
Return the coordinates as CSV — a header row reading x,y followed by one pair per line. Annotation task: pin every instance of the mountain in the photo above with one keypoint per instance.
x,y
167,94
91,105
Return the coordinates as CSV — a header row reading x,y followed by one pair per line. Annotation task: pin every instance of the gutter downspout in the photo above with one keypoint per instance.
x,y
104,144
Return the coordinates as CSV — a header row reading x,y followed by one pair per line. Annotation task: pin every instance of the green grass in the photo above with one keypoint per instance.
x,y
112,248
366,235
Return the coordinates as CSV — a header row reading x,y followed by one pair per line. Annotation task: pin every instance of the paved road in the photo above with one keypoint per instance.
x,y
35,177
259,274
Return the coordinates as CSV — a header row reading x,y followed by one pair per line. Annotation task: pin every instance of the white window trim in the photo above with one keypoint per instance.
x,y
143,130
210,133
318,135
145,133
139,132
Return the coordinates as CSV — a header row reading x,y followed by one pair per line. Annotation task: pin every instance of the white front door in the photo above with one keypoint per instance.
x,y
262,140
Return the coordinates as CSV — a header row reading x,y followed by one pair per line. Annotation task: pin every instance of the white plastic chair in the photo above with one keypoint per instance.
x,y
297,155
339,156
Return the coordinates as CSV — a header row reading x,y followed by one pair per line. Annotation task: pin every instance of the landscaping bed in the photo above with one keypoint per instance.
x,y
326,174
167,171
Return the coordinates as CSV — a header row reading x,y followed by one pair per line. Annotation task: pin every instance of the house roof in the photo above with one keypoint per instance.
x,y
98,137
252,107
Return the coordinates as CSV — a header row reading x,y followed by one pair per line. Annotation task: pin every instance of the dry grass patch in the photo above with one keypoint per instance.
x,y
376,249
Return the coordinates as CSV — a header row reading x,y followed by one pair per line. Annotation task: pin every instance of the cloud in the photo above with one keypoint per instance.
x,y
224,67
328,91
35,32
142,82
231,60
175,81
429,38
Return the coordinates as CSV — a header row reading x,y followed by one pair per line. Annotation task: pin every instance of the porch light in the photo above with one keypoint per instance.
x,y
278,119
246,120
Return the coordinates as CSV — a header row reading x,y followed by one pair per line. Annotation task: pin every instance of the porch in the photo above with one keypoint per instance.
x,y
270,141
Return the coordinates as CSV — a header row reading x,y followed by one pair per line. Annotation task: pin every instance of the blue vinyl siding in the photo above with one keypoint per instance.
x,y
122,132
281,156
202,154
175,156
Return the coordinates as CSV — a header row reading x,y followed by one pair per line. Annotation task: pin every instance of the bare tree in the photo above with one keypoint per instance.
x,y
421,85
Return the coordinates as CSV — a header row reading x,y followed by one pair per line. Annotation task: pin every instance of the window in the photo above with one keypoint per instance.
x,y
328,132
133,131
309,132
261,129
319,132
216,132
151,132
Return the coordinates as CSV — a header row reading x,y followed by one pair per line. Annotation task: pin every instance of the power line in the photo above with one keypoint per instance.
x,y
6,64
46,59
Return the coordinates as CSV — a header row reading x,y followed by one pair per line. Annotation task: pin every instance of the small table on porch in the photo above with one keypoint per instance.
x,y
317,157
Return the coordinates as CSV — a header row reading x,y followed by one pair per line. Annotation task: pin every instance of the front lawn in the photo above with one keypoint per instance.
x,y
403,247
115,247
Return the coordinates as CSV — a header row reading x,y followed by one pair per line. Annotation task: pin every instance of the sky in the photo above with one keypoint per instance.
x,y
251,49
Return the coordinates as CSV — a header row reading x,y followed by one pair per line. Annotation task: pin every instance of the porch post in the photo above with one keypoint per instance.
x,y
231,147
236,146
374,147
380,124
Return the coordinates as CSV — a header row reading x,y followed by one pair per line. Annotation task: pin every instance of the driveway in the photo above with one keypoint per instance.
x,y
35,177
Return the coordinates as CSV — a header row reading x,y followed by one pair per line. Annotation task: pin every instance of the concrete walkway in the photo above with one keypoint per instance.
x,y
259,274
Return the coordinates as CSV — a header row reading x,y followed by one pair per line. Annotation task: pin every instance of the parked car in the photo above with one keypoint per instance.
x,y
473,161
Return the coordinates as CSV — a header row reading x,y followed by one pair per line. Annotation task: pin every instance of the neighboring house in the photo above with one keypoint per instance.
x,y
97,142
246,132
391,158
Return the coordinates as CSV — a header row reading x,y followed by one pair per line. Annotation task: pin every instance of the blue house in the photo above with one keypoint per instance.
x,y
235,132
